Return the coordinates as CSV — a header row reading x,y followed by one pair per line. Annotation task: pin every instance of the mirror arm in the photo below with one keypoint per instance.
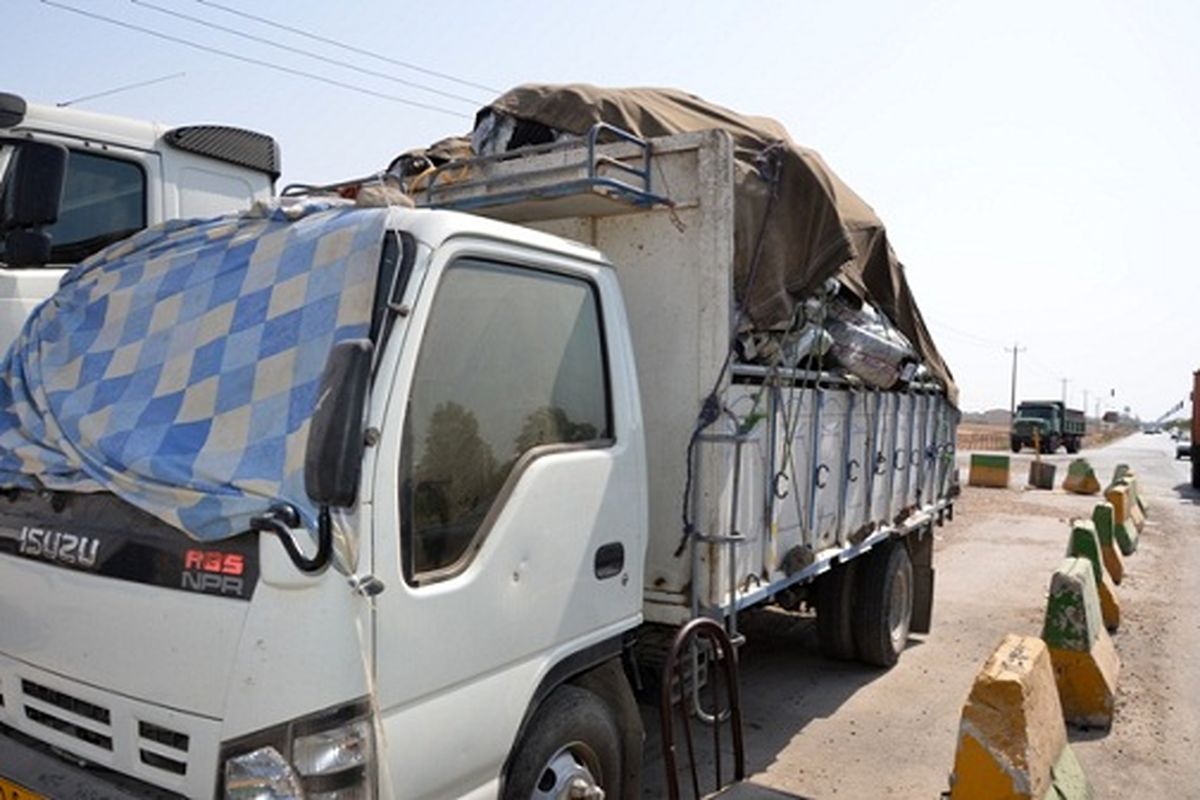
x,y
282,518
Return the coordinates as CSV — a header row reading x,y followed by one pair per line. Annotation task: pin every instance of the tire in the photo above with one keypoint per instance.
x,y
883,613
835,612
572,736
1015,444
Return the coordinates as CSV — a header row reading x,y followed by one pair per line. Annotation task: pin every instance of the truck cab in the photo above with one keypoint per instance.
x,y
497,536
121,175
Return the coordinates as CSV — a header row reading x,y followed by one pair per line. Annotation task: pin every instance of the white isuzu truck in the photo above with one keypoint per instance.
x,y
95,179
559,440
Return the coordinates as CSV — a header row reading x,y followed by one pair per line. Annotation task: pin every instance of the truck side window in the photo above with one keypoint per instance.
x,y
104,201
512,359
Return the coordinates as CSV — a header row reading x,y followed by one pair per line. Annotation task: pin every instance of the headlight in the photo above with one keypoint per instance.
x,y
261,774
327,756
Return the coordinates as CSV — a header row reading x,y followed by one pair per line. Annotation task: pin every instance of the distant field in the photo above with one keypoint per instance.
x,y
979,436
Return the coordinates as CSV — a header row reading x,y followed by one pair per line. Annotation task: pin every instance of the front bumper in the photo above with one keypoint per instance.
x,y
36,767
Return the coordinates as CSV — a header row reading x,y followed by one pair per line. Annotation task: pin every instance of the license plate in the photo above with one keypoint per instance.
x,y
11,791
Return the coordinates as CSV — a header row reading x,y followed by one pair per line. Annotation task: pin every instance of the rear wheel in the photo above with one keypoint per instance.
x,y
835,612
572,748
1016,445
883,613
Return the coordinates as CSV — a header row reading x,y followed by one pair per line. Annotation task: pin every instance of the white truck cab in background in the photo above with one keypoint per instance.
x,y
121,175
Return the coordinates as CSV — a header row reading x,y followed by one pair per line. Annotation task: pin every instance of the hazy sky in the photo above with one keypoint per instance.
x,y
1037,163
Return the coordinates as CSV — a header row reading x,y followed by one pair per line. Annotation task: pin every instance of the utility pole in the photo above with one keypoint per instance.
x,y
1012,402
1064,383
1085,394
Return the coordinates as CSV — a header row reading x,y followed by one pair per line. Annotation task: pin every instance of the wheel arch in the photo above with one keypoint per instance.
x,y
601,669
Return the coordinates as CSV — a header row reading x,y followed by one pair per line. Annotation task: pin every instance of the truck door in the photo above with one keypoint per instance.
x,y
509,505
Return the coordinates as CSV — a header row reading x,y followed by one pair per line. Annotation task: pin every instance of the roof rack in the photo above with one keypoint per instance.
x,y
445,186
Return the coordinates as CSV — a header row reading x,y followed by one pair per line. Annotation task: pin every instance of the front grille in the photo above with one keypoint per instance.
x,y
162,762
66,702
173,752
170,754
69,728
167,738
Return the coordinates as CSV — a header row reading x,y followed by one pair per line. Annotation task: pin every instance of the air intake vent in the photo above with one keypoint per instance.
x,y
158,745
163,736
42,704
232,145
66,702
69,728
163,763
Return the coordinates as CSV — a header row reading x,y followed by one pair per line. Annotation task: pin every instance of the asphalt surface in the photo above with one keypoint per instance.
x,y
818,728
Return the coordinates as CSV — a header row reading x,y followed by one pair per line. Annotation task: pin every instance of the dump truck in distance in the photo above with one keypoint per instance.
x,y
546,436
1050,424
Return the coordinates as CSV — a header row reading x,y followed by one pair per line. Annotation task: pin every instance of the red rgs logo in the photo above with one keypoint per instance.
x,y
214,561
213,571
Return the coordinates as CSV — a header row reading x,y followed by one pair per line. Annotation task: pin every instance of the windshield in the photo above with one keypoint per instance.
x,y
1036,412
104,201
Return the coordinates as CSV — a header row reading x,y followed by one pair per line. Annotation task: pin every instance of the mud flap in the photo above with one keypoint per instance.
x,y
921,553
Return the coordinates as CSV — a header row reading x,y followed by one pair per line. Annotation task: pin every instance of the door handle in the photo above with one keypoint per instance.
x,y
610,560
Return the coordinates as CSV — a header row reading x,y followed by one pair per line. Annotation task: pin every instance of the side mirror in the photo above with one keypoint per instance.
x,y
26,248
333,461
37,179
32,199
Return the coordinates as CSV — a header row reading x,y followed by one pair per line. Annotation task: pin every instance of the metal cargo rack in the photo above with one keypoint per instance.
x,y
611,178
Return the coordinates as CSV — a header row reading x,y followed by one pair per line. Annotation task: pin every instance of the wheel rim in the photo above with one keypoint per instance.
x,y
900,609
570,774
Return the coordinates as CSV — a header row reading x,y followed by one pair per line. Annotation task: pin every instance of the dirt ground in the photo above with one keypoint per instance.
x,y
817,728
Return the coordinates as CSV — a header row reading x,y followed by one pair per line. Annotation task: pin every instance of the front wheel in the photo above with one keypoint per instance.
x,y
883,613
572,748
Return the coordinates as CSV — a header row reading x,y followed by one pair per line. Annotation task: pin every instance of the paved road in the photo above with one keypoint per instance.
x,y
820,729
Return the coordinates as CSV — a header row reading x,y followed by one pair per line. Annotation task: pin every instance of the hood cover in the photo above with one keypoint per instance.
x,y
179,369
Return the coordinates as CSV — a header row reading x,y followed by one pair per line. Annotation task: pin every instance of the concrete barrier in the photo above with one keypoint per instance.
x,y
1085,543
1110,552
988,470
1082,653
1011,740
1137,513
1123,472
1124,529
1041,475
1081,478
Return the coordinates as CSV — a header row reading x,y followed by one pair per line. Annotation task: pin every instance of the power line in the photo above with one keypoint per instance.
x,y
308,53
349,47
977,339
255,61
116,89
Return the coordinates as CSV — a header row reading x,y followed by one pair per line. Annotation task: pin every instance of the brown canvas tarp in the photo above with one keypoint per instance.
x,y
818,227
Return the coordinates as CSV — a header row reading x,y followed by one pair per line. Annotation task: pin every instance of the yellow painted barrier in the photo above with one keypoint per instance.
x,y
988,470
1085,543
1081,478
1085,662
1011,739
1124,529
1114,562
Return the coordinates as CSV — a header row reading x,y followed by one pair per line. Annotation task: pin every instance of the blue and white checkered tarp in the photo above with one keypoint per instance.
x,y
179,369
